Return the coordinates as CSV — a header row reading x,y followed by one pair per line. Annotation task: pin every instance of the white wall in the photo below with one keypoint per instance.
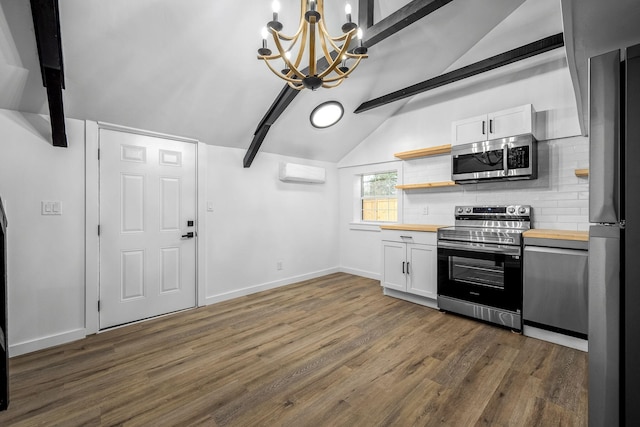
x,y
258,221
558,197
45,253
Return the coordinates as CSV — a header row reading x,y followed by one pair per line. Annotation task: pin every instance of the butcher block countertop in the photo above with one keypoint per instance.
x,y
540,233
413,227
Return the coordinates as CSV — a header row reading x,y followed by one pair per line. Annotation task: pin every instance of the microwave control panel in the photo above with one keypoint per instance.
x,y
518,157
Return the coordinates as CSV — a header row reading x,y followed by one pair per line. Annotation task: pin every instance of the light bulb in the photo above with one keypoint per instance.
x,y
265,33
360,34
347,9
287,55
275,6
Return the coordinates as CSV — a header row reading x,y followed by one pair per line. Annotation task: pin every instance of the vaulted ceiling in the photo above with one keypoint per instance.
x,y
189,67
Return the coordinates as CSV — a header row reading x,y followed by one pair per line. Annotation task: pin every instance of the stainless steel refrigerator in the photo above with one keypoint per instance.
x,y
614,238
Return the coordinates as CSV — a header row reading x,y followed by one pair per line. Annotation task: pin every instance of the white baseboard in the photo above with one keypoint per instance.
x,y
46,342
362,273
212,299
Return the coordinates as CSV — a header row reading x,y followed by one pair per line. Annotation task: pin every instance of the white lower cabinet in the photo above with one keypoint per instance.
x,y
409,266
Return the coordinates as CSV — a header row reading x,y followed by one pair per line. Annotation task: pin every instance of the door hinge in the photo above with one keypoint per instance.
x,y
98,305
98,154
98,229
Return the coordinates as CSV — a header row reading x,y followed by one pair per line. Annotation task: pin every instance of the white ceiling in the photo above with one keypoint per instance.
x,y
189,67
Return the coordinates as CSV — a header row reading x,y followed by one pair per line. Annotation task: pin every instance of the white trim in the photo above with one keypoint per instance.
x,y
201,214
119,128
92,217
46,342
361,273
267,286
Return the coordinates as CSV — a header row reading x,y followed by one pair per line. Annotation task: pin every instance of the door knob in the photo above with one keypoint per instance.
x,y
189,235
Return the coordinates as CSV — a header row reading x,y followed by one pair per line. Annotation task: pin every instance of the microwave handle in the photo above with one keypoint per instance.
x,y
505,159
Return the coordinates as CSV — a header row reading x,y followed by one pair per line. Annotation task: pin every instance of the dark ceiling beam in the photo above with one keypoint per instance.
x,y
514,55
46,23
401,19
374,34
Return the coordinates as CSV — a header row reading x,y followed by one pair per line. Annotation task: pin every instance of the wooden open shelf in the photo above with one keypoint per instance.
x,y
582,173
424,152
425,185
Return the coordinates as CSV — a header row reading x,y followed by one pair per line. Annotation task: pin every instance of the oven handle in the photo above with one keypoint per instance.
x,y
505,159
480,247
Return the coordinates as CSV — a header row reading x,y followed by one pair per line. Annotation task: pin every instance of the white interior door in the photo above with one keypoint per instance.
x,y
147,198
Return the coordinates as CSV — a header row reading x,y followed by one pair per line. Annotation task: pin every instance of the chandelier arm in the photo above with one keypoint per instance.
x,y
328,86
303,46
282,76
301,26
312,46
296,87
334,62
340,38
342,75
292,66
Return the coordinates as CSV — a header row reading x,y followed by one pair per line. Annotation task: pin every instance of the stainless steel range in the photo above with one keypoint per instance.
x,y
480,263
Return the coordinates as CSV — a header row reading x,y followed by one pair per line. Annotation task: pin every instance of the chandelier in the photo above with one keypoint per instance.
x,y
331,68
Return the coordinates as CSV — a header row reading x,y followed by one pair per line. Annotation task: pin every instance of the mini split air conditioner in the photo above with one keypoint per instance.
x,y
301,173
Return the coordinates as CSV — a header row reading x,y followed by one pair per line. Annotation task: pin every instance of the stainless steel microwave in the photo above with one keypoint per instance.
x,y
503,159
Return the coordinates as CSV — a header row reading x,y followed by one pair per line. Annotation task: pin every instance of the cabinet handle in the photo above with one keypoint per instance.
x,y
402,267
408,267
483,127
491,126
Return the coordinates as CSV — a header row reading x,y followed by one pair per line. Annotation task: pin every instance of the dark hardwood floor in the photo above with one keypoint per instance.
x,y
331,351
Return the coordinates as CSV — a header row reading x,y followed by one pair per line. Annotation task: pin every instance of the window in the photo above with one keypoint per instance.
x,y
378,194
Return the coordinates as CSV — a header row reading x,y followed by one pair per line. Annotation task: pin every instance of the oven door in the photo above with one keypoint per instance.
x,y
485,274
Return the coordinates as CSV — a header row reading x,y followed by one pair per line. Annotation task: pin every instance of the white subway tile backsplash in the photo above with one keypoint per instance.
x,y
559,199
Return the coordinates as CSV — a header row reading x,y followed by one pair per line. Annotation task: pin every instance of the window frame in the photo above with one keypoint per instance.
x,y
357,223
377,198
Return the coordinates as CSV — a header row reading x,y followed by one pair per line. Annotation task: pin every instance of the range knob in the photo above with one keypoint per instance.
x,y
459,210
522,210
468,210
511,210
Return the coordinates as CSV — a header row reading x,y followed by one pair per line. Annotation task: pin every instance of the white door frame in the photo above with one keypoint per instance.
x,y
92,214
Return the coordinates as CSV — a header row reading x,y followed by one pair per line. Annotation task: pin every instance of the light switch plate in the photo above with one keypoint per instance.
x,y
51,208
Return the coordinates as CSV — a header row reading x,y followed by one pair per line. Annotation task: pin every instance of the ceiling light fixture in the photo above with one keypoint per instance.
x,y
328,73
326,114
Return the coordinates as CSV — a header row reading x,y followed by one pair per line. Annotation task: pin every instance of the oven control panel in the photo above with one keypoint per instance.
x,y
493,211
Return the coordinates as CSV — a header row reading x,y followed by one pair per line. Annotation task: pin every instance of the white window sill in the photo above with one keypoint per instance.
x,y
367,226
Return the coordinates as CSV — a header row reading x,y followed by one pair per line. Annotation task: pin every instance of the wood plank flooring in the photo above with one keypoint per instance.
x,y
331,351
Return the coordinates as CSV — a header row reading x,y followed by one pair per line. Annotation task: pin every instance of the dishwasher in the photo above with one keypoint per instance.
x,y
555,293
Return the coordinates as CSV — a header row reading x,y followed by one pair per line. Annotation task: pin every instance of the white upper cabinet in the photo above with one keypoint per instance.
x,y
501,124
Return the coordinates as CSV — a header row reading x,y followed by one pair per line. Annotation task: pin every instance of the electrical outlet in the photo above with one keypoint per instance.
x,y
279,265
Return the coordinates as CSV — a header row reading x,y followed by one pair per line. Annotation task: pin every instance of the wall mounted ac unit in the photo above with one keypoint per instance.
x,y
301,173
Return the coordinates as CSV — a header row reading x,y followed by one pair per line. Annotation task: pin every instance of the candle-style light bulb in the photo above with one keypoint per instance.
x,y
264,51
312,5
347,10
360,34
275,6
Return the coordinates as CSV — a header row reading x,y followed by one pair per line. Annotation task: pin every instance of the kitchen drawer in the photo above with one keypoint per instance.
x,y
419,237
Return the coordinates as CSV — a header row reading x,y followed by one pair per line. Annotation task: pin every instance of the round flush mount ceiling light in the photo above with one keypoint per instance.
x,y
326,114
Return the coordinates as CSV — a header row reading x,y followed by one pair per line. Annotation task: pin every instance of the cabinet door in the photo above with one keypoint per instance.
x,y
511,122
394,265
422,274
473,129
